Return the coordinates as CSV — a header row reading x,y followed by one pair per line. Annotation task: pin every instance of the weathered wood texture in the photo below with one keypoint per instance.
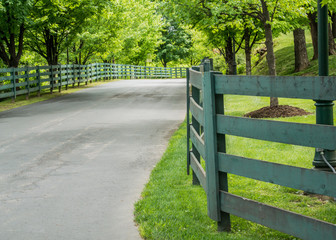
x,y
285,221
322,88
216,125
309,135
26,80
308,180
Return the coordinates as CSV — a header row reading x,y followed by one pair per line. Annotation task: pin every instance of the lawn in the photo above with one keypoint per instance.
x,y
172,208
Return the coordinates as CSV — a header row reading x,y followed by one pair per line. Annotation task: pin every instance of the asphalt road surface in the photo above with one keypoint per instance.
x,y
72,167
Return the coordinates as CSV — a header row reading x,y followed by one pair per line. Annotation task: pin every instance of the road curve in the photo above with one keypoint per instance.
x,y
72,167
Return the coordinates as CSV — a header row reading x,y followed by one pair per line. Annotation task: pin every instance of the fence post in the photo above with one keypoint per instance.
x,y
224,224
188,122
210,139
38,71
196,95
60,82
14,84
73,75
52,79
67,77
27,82
79,68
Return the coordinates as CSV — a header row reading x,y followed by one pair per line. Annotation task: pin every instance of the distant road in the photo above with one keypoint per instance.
x,y
72,167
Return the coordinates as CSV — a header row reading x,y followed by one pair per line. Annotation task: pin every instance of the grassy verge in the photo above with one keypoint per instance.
x,y
45,95
172,208
285,58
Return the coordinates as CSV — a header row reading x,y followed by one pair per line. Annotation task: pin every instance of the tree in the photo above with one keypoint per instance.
x,y
13,24
56,24
176,43
300,49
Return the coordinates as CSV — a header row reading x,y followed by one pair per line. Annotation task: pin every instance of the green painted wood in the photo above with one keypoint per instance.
x,y
196,79
5,78
210,138
288,222
188,122
224,224
198,143
309,135
308,180
38,77
197,111
7,86
198,170
14,83
321,88
6,95
196,95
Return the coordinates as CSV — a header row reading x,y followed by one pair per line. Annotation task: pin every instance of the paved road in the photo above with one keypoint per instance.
x,y
72,167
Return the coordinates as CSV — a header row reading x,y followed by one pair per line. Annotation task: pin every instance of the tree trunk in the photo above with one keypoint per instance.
x,y
332,46
10,57
248,51
313,31
333,19
229,57
300,49
270,48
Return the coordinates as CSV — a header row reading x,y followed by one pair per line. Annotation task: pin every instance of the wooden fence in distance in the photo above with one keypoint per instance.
x,y
26,80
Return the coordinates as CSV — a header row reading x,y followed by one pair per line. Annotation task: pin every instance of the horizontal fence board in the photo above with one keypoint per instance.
x,y
196,79
6,78
7,86
6,95
318,88
22,91
198,170
285,221
308,180
197,141
309,135
197,111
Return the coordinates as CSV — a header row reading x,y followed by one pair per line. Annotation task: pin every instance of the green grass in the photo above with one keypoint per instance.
x,y
21,100
172,208
285,58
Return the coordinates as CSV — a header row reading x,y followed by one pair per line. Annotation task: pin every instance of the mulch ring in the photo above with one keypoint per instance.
x,y
277,111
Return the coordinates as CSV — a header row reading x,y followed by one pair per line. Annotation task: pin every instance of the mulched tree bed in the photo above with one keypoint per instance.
x,y
277,111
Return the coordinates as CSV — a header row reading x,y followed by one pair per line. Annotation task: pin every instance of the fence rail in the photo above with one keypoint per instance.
x,y
26,80
207,131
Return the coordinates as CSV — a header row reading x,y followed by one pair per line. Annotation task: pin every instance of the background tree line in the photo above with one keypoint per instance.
x,y
82,31
167,32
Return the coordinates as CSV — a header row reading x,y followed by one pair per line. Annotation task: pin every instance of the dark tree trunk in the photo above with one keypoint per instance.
x,y
270,48
300,49
248,50
9,56
52,47
333,19
229,56
332,46
313,31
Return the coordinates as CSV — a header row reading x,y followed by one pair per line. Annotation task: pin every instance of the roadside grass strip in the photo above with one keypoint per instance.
x,y
172,208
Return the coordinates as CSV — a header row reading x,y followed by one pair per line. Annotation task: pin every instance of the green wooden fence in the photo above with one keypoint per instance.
x,y
206,105
26,80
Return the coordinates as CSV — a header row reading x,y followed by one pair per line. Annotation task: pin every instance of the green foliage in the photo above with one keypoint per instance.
x,y
175,43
